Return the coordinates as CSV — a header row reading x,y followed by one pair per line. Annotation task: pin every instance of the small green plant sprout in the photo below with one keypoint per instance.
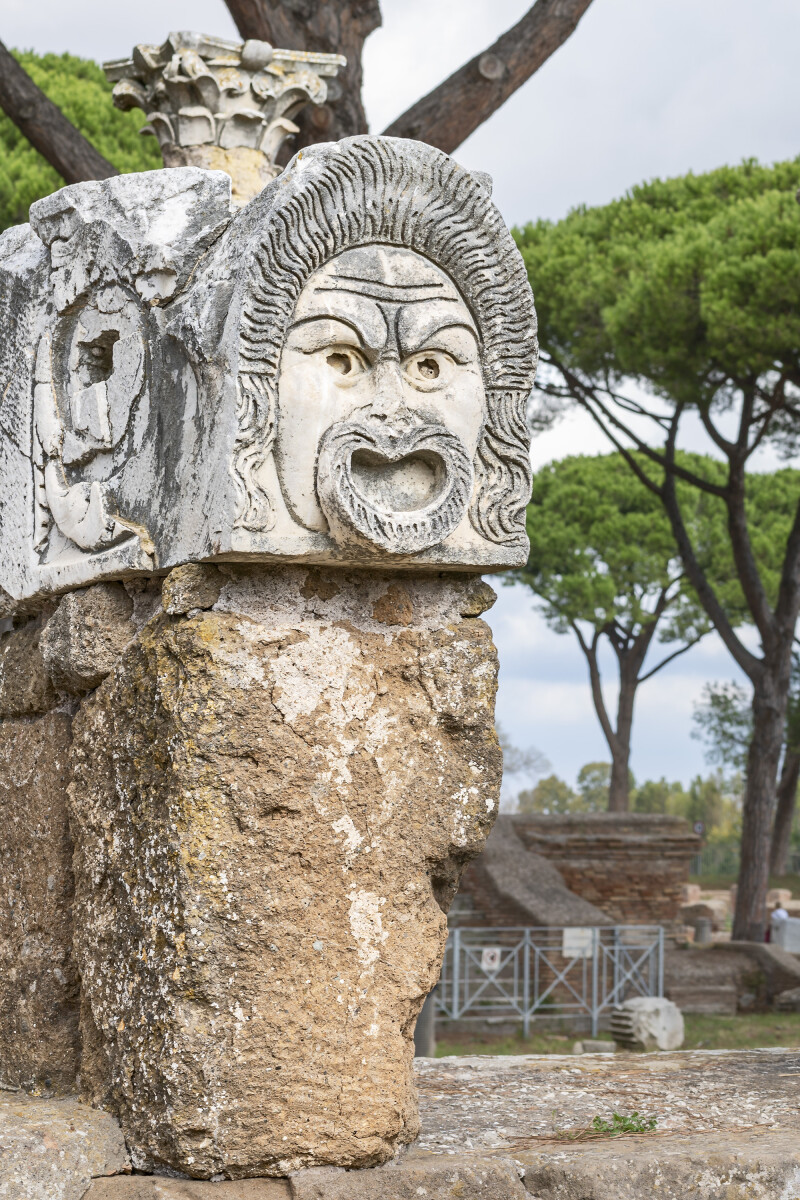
x,y
620,1125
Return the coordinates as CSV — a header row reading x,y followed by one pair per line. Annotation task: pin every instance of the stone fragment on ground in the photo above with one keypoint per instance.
x,y
723,979
648,1023
713,910
788,1001
594,1046
53,1149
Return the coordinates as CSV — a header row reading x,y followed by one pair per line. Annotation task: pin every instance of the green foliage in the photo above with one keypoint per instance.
x,y
658,796
602,549
83,94
620,1124
689,285
550,795
717,803
593,782
724,721
714,799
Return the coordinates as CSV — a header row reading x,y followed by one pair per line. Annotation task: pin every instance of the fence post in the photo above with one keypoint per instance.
x,y
595,969
526,983
660,961
456,970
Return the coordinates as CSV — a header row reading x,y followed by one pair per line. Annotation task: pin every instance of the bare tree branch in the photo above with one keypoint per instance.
x,y
587,396
46,127
750,664
323,26
453,110
670,657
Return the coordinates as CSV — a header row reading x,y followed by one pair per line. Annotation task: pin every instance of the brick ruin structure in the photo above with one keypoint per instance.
x,y
630,866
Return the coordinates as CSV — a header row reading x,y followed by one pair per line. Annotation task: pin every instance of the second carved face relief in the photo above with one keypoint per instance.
x,y
381,402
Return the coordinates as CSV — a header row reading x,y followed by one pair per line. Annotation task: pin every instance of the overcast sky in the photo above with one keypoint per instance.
x,y
644,88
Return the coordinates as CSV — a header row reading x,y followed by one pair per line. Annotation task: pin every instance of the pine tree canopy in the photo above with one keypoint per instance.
x,y
80,89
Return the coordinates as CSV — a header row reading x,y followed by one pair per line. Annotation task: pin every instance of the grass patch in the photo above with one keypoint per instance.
x,y
745,1032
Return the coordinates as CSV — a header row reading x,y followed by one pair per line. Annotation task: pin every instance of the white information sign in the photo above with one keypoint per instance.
x,y
490,959
578,942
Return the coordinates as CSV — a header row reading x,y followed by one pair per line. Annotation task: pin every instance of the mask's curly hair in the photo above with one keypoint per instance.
x,y
366,190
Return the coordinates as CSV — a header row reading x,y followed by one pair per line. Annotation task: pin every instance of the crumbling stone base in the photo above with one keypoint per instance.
x,y
272,802
39,1045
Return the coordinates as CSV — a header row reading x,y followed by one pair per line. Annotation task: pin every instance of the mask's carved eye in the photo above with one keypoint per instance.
x,y
428,369
345,362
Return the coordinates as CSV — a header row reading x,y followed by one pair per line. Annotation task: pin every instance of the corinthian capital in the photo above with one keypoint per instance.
x,y
223,105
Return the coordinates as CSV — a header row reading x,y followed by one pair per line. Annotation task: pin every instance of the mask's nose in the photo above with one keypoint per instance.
x,y
388,401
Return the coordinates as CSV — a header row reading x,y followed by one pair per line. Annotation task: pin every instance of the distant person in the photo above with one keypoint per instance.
x,y
779,913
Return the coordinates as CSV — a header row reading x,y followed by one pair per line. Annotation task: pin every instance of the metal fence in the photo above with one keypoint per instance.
x,y
529,973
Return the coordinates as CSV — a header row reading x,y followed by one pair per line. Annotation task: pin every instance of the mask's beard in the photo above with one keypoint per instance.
x,y
363,501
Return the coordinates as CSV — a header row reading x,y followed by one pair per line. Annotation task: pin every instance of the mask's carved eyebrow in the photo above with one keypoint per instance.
x,y
418,338
320,318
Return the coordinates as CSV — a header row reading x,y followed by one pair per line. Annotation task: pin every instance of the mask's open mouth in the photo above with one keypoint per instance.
x,y
403,490
406,484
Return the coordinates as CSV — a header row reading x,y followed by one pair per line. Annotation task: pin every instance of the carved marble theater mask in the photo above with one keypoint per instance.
x,y
337,373
381,402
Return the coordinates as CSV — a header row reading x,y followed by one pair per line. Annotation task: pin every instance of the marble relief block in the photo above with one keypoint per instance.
x,y
335,374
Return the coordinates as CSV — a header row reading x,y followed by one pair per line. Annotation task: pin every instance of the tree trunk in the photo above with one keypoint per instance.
x,y
769,721
619,786
631,653
46,127
327,27
784,813
458,106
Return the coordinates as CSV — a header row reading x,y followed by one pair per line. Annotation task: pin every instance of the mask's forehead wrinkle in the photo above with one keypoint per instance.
x,y
390,295
391,268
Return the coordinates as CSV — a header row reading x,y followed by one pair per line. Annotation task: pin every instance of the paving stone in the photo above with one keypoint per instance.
x,y
52,1149
508,1104
468,1178
494,1128
156,1187
765,1166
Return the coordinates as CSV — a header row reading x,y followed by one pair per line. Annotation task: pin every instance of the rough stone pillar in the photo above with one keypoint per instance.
x,y
272,803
